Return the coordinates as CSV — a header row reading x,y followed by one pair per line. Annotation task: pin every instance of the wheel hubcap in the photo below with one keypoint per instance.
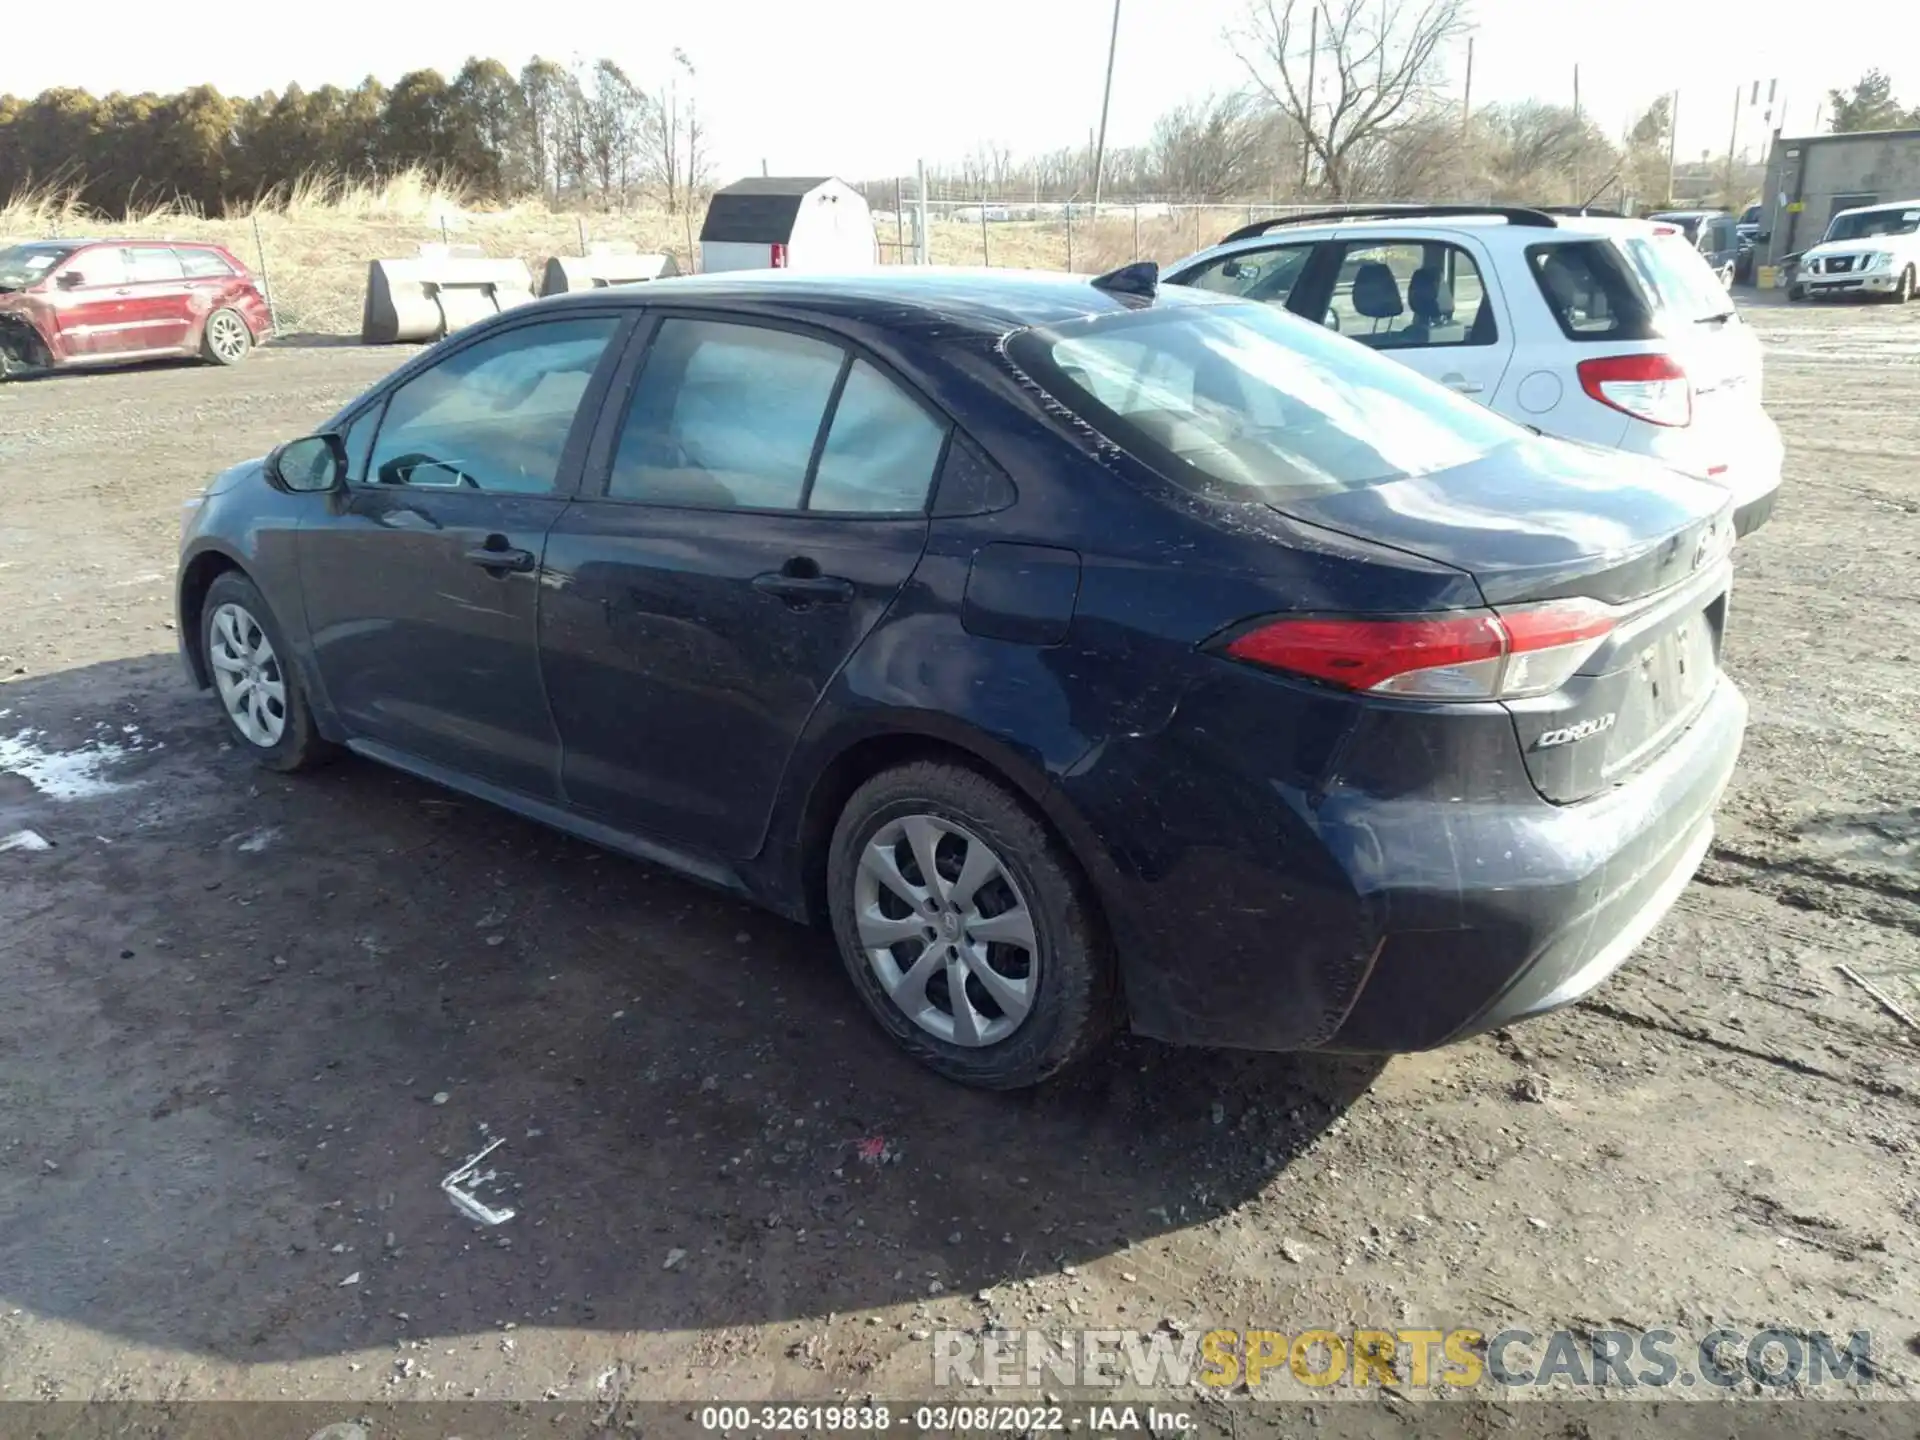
x,y
247,674
947,931
228,338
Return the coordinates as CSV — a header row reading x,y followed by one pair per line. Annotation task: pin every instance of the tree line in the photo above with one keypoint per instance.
x,y
586,133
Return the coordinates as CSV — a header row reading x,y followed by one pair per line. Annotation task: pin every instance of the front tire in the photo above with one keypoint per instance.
x,y
1796,292
1905,292
967,928
225,338
254,678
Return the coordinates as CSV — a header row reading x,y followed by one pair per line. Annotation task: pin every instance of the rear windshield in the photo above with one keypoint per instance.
x,y
1895,220
1241,401
1639,289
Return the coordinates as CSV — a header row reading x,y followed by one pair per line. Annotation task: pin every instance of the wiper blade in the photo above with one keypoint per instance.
x,y
1719,319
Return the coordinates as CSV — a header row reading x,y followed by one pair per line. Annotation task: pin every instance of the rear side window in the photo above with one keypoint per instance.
x,y
1410,295
1592,291
151,262
882,449
725,417
1242,402
204,264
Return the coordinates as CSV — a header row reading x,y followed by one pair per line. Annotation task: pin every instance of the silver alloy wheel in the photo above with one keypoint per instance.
x,y
946,930
227,335
247,674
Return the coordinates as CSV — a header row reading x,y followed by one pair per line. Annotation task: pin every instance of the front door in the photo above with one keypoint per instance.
x,y
1424,304
422,582
753,510
89,297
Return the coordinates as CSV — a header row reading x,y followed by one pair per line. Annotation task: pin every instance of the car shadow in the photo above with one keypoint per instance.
x,y
256,1019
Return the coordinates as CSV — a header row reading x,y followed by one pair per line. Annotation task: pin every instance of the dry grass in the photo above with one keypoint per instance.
x,y
316,235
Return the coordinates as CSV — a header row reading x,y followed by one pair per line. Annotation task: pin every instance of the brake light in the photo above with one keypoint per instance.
x,y
1648,387
1466,655
779,256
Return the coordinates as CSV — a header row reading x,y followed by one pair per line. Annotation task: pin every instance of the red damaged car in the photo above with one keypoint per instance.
x,y
71,303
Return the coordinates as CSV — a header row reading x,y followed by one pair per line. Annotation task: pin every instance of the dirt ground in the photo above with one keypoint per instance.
x,y
250,1021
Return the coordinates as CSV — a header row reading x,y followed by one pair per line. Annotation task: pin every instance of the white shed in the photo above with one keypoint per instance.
x,y
787,222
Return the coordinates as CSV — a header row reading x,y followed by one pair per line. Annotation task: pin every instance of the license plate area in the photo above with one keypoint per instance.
x,y
1667,681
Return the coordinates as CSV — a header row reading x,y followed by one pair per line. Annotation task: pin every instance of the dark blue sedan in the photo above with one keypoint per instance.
x,y
1082,653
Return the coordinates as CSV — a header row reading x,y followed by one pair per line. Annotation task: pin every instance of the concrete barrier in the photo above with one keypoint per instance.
x,y
564,274
434,295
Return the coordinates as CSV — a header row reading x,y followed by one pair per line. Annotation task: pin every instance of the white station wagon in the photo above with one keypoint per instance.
x,y
1592,328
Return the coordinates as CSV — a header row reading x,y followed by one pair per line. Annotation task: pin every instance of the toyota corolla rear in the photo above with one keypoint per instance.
x,y
1450,726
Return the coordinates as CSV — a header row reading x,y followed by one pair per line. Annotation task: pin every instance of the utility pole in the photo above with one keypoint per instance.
x,y
1306,129
1579,139
1673,136
1466,94
1106,99
1734,139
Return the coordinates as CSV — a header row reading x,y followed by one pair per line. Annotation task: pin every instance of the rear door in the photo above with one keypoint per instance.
x,y
159,309
1425,302
422,581
753,505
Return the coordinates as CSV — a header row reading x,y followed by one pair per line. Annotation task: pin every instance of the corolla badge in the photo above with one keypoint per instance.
x,y
1567,734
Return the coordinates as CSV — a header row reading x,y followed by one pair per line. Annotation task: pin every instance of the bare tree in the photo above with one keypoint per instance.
x,y
676,141
1382,62
1221,147
613,116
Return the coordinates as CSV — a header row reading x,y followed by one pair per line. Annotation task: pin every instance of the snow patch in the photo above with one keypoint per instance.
x,y
60,774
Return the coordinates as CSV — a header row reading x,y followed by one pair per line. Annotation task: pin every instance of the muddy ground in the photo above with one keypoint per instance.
x,y
248,1022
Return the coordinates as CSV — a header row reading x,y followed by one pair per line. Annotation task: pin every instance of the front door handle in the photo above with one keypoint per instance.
x,y
500,557
805,589
1462,384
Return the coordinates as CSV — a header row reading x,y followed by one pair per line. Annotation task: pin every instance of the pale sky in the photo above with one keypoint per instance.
x,y
861,88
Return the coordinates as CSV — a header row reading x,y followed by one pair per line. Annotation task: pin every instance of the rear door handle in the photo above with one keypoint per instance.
x,y
1462,384
809,589
503,558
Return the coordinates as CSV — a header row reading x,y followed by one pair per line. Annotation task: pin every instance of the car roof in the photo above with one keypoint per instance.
x,y
899,296
1684,214
1878,206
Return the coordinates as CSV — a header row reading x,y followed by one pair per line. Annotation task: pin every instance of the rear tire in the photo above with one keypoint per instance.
x,y
1033,992
225,338
254,678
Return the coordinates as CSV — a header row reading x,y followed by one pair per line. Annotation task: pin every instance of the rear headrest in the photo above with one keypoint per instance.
x,y
1376,294
1429,297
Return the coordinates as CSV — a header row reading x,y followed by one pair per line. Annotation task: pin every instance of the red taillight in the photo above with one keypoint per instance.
x,y
779,256
1467,655
1648,387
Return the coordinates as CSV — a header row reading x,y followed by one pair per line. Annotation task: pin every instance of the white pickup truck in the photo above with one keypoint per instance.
x,y
1872,250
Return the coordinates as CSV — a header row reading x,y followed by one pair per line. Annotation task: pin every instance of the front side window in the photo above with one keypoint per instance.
x,y
24,265
495,415
725,417
102,266
1242,402
1410,294
1267,274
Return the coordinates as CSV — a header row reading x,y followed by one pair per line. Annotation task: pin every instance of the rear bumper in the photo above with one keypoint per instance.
x,y
1387,914
1549,904
1744,457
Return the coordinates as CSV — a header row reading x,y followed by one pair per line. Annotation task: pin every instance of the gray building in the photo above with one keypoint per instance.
x,y
1812,178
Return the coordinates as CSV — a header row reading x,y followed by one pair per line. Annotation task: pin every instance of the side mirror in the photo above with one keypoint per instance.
x,y
311,465
70,280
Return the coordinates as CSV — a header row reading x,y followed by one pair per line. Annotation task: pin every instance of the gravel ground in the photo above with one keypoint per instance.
x,y
253,1020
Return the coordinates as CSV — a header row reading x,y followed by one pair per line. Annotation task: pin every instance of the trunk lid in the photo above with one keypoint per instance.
x,y
1543,520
